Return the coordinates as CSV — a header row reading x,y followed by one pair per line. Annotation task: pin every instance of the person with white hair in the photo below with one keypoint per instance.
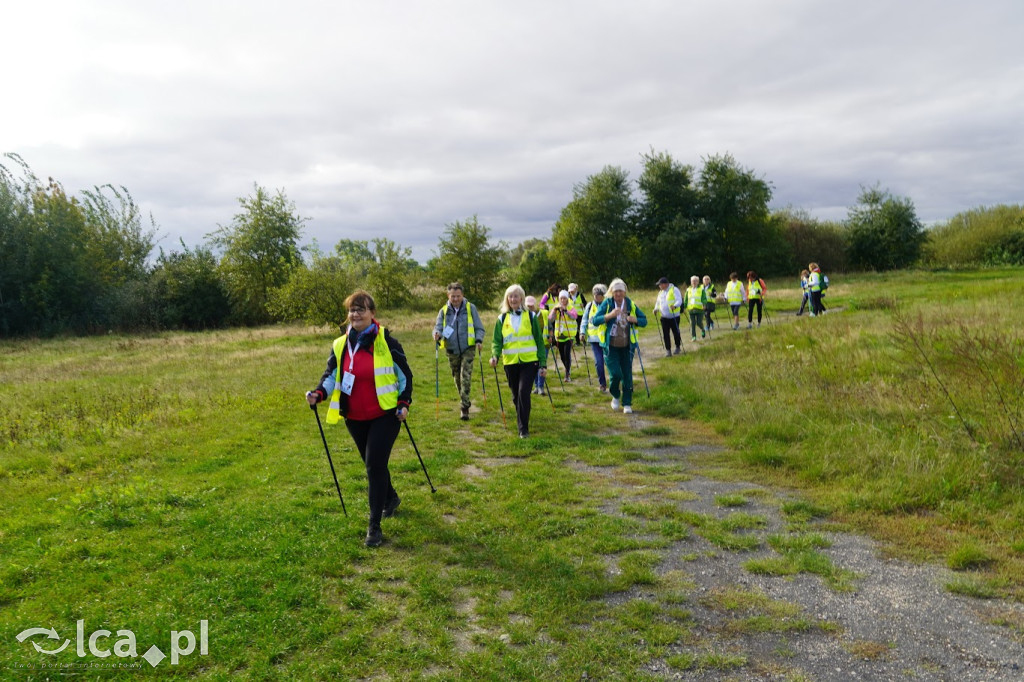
x,y
667,307
621,318
518,340
562,330
696,298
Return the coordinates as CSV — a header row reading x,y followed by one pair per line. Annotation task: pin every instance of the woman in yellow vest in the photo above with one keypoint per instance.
x,y
519,341
695,298
736,296
370,384
562,330
756,293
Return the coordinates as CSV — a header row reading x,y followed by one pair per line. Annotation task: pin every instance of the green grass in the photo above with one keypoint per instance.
x,y
904,406
151,482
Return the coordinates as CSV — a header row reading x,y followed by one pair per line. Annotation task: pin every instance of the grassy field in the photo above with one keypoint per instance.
x,y
150,483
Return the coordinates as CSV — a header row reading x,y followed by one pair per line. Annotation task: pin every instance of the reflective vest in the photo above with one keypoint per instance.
x,y
542,314
518,346
384,376
693,298
734,292
594,332
565,326
470,333
814,281
754,289
670,297
577,303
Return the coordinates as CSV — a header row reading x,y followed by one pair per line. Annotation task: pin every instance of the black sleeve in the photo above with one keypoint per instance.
x,y
398,355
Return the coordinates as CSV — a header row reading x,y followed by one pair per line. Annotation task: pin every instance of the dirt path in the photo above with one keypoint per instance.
x,y
849,614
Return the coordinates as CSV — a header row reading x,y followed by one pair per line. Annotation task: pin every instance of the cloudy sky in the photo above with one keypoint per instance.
x,y
394,118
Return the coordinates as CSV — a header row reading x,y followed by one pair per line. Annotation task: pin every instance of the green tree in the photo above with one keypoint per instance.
x,y
465,254
883,231
813,240
734,203
315,294
189,291
593,238
260,249
356,257
537,268
388,275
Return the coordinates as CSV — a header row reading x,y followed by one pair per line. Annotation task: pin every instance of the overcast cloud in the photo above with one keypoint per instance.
x,y
397,118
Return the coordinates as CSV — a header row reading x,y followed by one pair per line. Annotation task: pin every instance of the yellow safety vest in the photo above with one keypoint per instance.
x,y
577,303
384,377
693,295
565,326
543,315
470,333
734,292
754,289
518,346
592,329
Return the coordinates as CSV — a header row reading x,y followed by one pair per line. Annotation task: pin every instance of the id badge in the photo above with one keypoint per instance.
x,y
346,383
448,331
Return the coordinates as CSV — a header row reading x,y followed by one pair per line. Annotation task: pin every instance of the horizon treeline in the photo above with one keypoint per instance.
x,y
86,264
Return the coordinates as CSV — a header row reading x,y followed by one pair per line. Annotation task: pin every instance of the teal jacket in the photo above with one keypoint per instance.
x,y
606,305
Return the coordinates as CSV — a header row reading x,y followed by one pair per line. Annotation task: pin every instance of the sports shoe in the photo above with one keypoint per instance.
x,y
616,404
702,334
603,389
693,339
750,325
465,414
627,409
735,327
374,536
391,507
678,350
668,354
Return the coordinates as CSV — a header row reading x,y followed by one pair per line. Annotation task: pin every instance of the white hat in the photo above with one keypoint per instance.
x,y
563,294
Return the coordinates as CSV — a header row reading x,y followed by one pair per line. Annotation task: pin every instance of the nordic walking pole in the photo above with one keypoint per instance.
x,y
577,360
437,385
557,370
501,403
483,384
329,460
550,399
641,358
432,488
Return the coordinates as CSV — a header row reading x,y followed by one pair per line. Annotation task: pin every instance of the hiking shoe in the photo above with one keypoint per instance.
x,y
603,389
374,536
465,414
735,327
391,507
524,434
616,404
668,354
750,325
678,350
626,409
702,334
693,339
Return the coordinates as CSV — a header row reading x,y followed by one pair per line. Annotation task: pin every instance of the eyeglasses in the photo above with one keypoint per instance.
x,y
356,310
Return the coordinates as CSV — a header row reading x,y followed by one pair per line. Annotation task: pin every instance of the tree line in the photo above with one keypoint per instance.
x,y
90,264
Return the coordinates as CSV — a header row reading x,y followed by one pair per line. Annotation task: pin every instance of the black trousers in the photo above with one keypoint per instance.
x,y
750,310
816,307
374,440
565,353
521,376
670,327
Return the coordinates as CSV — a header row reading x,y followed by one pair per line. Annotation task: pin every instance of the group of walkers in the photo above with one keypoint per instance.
x,y
368,380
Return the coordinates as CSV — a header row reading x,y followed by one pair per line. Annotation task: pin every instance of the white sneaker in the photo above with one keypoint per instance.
x,y
627,410
616,404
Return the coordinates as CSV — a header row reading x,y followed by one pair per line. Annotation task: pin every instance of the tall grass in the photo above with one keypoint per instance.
x,y
909,401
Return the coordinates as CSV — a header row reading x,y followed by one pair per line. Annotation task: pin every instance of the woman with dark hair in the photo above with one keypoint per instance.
x,y
370,384
756,291
736,297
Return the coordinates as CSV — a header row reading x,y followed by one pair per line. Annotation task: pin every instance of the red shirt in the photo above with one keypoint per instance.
x,y
362,403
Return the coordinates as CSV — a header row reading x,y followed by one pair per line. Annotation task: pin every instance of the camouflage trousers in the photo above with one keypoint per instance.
x,y
462,372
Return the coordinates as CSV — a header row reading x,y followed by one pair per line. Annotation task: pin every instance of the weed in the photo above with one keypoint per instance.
x,y
731,500
967,557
